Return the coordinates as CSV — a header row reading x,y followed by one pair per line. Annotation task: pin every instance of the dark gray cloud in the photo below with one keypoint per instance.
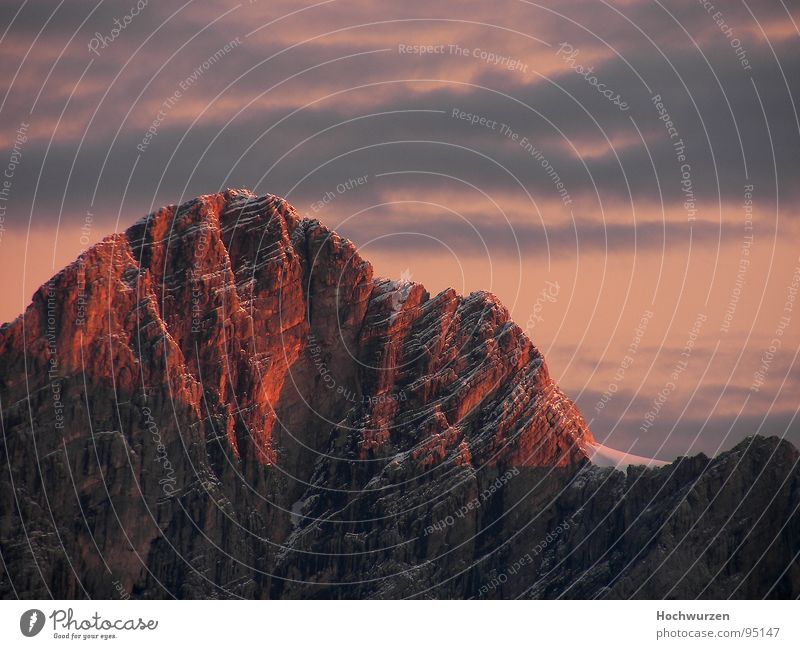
x,y
714,414
713,105
677,433
469,236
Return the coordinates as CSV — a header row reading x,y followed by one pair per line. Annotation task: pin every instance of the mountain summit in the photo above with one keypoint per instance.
x,y
224,402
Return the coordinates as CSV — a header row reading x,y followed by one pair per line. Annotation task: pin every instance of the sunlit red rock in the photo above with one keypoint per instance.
x,y
224,402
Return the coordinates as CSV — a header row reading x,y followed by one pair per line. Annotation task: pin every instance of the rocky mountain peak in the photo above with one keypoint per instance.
x,y
223,401
241,311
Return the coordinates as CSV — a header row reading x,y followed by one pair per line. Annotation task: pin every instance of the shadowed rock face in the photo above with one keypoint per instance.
x,y
223,402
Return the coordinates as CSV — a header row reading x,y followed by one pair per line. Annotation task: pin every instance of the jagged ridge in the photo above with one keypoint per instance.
x,y
231,290
223,401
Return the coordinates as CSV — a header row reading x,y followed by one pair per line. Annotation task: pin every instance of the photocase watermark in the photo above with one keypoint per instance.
x,y
570,54
547,295
744,261
454,49
735,43
526,145
195,282
672,383
315,350
492,58
31,622
80,299
522,141
679,148
14,160
120,589
341,188
170,102
475,119
100,41
553,535
768,355
51,339
626,362
66,626
168,482
202,242
526,559
474,504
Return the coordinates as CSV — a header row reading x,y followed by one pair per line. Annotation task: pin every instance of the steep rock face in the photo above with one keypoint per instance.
x,y
223,402
170,396
698,527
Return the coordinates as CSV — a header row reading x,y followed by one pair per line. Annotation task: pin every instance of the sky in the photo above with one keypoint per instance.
x,y
622,175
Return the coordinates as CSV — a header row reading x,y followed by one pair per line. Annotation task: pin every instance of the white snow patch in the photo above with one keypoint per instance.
x,y
604,456
398,292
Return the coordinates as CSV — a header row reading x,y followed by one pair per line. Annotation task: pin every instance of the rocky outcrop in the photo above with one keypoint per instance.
x,y
224,402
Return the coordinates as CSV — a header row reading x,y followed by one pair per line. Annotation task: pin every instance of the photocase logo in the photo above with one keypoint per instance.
x,y
31,622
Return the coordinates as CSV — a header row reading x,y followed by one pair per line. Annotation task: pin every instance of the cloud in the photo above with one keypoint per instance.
x,y
713,104
492,237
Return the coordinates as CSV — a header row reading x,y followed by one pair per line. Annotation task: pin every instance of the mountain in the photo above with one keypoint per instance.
x,y
224,402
